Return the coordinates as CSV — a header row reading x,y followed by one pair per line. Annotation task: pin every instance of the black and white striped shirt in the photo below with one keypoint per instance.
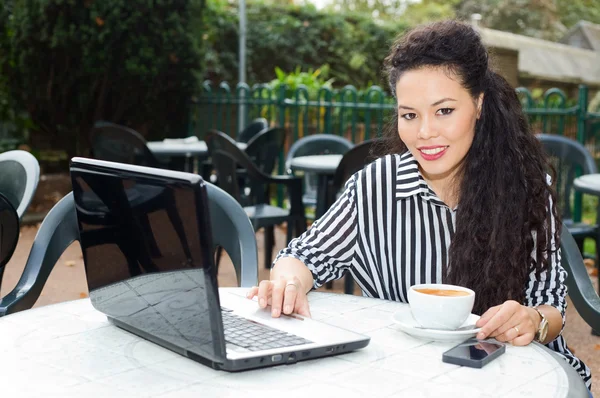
x,y
391,231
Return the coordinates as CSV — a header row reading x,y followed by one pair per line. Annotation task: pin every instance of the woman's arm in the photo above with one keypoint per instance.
x,y
321,254
518,322
328,247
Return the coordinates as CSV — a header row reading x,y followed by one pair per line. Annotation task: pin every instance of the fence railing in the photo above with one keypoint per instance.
x,y
362,114
356,114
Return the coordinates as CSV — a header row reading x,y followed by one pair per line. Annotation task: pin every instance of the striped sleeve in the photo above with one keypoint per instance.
x,y
328,247
549,287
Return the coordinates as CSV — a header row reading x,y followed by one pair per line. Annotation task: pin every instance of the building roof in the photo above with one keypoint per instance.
x,y
588,31
547,60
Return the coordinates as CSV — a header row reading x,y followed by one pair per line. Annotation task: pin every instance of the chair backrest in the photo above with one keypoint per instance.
x,y
265,147
231,230
116,143
9,232
567,156
255,127
318,144
19,177
352,161
57,232
581,290
226,158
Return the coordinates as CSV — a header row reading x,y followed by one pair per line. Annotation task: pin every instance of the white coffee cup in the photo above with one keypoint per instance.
x,y
440,311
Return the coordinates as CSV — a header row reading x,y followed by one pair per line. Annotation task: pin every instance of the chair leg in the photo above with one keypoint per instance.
x,y
300,227
269,243
218,254
291,226
348,284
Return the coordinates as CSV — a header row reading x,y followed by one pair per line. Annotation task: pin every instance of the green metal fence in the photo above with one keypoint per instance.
x,y
356,114
362,114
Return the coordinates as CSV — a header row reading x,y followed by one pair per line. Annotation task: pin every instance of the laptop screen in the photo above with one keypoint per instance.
x,y
147,248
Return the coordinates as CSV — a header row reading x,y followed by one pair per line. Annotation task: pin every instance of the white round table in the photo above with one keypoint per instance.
x,y
184,147
319,164
324,167
71,350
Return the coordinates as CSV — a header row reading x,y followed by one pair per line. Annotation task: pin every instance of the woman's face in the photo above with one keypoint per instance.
x,y
436,120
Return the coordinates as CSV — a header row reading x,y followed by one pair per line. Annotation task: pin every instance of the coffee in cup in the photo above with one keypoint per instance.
x,y
440,306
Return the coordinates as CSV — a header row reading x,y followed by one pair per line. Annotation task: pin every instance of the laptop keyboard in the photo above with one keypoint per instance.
x,y
254,336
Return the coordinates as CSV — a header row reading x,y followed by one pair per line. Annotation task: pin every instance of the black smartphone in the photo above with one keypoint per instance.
x,y
474,353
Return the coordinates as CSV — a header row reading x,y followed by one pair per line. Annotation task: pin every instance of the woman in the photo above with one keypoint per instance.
x,y
462,198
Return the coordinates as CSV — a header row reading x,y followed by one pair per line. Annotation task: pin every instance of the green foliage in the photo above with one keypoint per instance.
x,y
69,63
286,36
376,8
312,81
543,19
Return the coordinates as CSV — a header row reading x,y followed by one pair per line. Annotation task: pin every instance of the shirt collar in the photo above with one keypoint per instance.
x,y
410,182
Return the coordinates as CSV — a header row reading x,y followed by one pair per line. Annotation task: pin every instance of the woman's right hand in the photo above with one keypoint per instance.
x,y
284,294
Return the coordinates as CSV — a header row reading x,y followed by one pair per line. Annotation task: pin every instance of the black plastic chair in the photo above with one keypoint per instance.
x,y
581,290
116,143
251,130
567,156
263,150
19,177
230,227
354,160
9,232
317,144
227,158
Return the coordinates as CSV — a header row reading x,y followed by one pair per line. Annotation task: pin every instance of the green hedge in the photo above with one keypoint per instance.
x,y
285,36
69,63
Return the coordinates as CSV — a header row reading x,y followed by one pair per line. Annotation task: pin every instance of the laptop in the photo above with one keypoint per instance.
x,y
148,254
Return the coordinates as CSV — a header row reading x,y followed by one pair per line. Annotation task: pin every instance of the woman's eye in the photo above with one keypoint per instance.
x,y
445,111
409,116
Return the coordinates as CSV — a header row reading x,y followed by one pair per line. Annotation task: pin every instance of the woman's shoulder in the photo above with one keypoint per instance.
x,y
386,168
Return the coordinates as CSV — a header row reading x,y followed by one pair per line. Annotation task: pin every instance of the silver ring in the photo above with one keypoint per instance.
x,y
517,329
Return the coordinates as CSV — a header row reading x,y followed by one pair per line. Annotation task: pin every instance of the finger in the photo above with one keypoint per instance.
x,y
505,312
302,307
523,339
277,297
291,292
264,292
514,320
252,292
487,316
510,334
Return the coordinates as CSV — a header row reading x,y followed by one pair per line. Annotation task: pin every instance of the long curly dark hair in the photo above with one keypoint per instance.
x,y
503,222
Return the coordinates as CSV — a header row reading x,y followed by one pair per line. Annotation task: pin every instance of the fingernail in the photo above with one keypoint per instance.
x,y
288,309
480,335
275,312
261,302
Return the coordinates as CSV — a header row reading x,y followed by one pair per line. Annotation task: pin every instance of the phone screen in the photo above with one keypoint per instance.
x,y
474,350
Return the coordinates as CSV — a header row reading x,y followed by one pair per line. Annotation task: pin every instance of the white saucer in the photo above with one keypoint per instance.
x,y
407,324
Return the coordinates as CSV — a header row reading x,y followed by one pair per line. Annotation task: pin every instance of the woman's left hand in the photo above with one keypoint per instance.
x,y
509,322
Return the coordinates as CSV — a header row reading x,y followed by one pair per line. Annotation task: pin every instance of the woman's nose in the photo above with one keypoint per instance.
x,y
427,129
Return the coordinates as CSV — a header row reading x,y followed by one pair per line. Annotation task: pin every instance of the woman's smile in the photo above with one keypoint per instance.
x,y
433,152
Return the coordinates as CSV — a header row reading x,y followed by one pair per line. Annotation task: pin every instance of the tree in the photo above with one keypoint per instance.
x,y
430,10
545,19
377,8
69,63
